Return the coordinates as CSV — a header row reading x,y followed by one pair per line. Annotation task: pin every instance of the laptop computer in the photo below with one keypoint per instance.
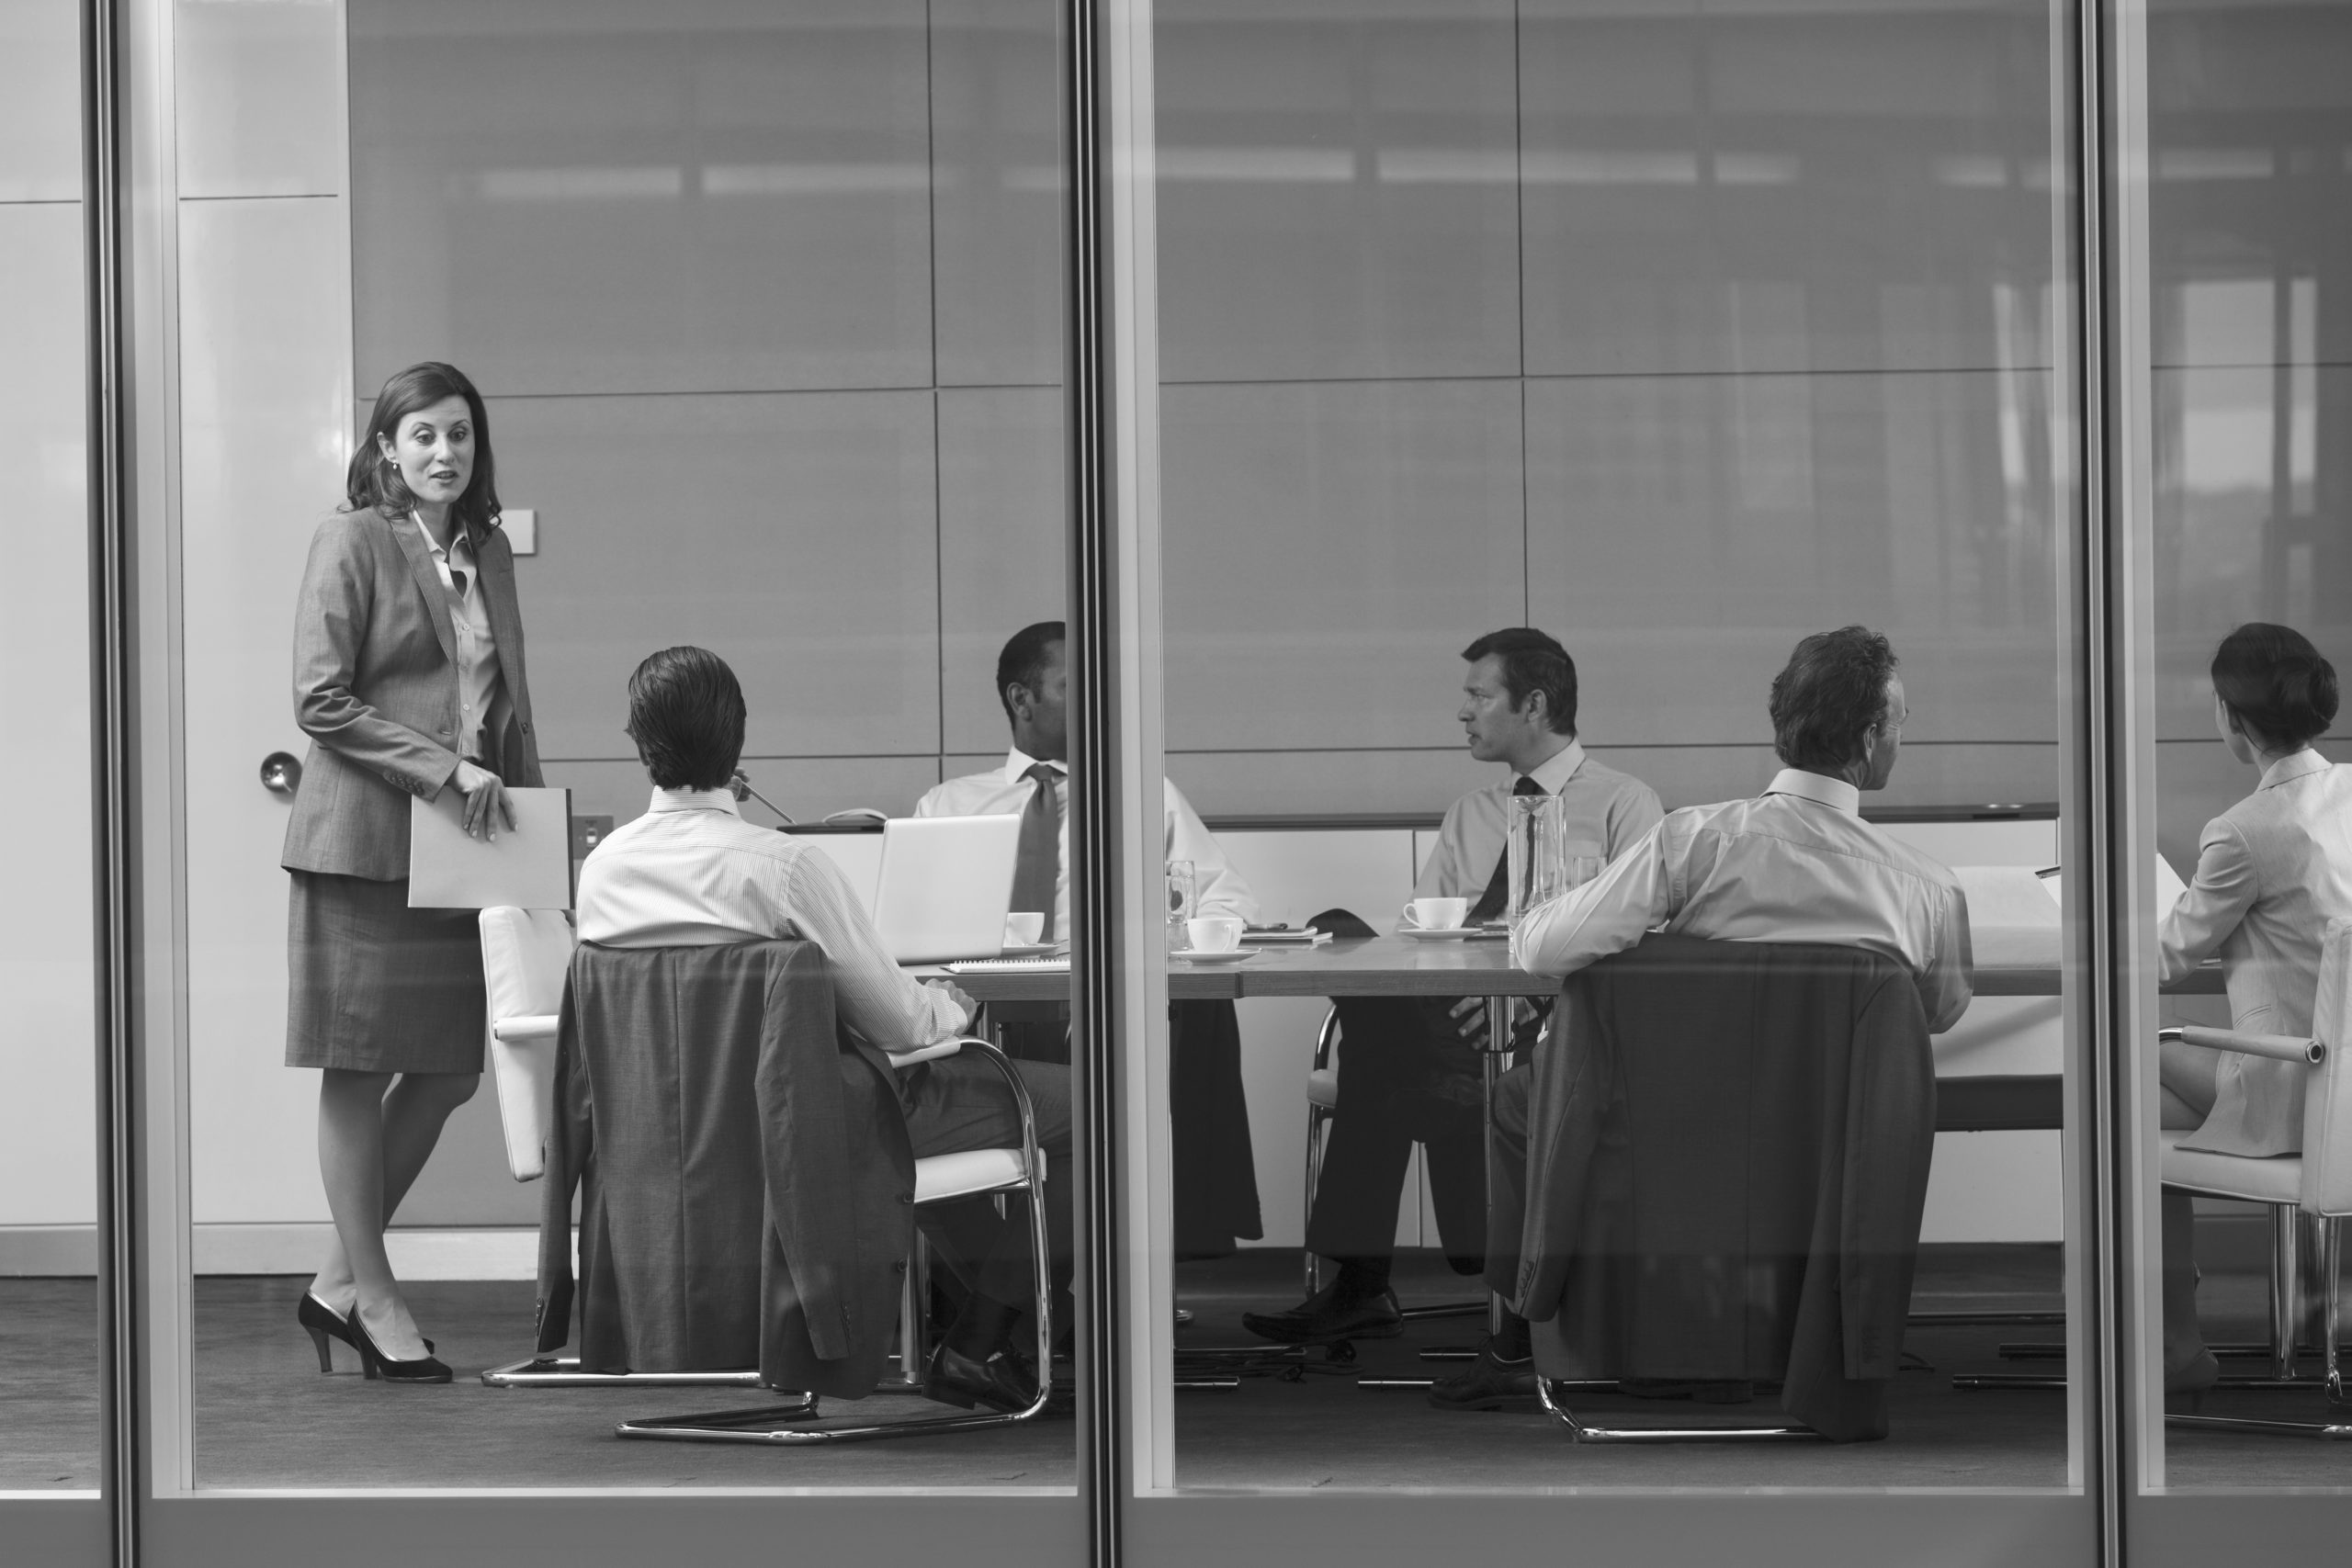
x,y
945,885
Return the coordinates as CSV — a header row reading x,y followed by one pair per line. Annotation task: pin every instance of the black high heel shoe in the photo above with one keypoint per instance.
x,y
321,1320
376,1364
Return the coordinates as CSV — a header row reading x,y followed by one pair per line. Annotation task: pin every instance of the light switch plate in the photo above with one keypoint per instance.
x,y
522,526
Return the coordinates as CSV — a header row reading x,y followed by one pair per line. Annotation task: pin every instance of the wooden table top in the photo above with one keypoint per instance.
x,y
2011,961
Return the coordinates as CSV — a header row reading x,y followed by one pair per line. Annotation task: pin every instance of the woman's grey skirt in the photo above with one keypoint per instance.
x,y
376,986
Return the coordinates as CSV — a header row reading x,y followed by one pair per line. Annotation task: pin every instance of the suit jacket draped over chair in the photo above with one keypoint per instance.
x,y
746,1178
1726,1163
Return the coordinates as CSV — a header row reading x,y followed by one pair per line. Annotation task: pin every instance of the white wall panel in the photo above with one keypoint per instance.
x,y
1684,532
252,86
40,101
1328,549
708,194
1783,187
48,1039
1336,195
791,534
1002,533
996,192
264,389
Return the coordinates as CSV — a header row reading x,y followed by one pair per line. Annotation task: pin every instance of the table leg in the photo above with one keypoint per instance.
x,y
1491,1072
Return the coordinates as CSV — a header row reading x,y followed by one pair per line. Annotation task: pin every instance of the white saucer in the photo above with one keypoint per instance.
x,y
1027,950
1238,956
1444,933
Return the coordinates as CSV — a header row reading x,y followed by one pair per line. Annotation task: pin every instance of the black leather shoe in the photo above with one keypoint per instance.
x,y
1487,1384
1324,1319
1004,1382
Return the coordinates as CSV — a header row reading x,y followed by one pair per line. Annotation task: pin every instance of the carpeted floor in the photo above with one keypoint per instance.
x,y
265,1417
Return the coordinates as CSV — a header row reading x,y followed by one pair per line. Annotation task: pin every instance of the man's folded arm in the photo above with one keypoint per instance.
x,y
886,1007
1607,915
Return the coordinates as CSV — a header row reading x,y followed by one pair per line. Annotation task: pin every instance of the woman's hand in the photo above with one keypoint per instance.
x,y
486,801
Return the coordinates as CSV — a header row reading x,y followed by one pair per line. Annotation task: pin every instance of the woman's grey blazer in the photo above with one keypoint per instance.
x,y
376,690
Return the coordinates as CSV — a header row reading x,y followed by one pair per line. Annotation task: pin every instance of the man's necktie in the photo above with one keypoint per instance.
x,y
1492,901
1036,868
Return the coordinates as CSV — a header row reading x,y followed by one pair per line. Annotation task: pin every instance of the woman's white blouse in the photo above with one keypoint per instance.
x,y
2271,872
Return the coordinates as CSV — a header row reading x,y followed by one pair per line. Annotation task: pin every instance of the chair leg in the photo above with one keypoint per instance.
x,y
563,1371
1549,1390
1315,1118
2331,1253
2285,1317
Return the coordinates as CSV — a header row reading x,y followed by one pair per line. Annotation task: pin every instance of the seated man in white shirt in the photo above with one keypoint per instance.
x,y
691,872
1215,1175
1795,864
1408,1070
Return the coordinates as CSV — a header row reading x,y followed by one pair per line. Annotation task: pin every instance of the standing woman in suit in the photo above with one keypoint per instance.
x,y
408,678
2271,872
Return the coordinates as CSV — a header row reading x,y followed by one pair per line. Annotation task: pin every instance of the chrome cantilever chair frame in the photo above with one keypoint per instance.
x,y
785,1423
2293,1277
2286,1276
1549,1390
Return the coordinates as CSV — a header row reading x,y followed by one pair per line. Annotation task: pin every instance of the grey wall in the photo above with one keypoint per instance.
x,y
1678,329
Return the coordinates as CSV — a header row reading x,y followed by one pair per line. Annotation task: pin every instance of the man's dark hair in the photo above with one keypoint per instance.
x,y
1024,659
1533,662
2281,688
686,713
1832,693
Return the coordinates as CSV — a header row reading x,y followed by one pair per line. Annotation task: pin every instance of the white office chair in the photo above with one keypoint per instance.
x,y
525,954
2317,1182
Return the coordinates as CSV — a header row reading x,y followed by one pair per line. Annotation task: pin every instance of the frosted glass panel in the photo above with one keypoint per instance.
x,y
1336,190
579,197
792,535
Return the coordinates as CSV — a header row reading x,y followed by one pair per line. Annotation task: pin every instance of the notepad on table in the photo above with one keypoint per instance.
x,y
527,866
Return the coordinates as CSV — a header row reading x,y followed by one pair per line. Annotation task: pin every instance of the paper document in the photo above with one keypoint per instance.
x,y
527,866
2168,886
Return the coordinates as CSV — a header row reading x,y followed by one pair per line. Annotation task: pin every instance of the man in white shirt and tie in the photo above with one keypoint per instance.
x,y
1215,1176
1407,1072
692,872
1795,864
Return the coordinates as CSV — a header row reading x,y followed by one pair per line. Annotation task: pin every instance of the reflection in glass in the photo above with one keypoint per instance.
x,y
2249,147
48,1322
1680,332
764,372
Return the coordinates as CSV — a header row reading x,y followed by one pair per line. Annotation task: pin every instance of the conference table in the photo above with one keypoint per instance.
x,y
2015,936
2014,933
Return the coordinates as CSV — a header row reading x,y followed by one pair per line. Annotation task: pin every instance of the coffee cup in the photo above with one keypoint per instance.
x,y
1437,913
1215,933
1025,928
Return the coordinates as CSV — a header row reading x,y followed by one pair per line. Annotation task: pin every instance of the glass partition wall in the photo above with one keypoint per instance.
x,y
1678,334
2241,255
51,1429
762,303
1678,331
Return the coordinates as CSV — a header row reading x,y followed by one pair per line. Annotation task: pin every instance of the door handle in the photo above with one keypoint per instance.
x,y
282,773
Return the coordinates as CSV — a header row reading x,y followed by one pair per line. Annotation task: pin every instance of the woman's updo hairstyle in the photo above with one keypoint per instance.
x,y
2281,688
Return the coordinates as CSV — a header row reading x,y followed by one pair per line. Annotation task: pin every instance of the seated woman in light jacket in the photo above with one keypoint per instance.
x,y
2271,872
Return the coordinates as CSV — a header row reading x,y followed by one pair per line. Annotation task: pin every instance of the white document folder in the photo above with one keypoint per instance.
x,y
527,866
